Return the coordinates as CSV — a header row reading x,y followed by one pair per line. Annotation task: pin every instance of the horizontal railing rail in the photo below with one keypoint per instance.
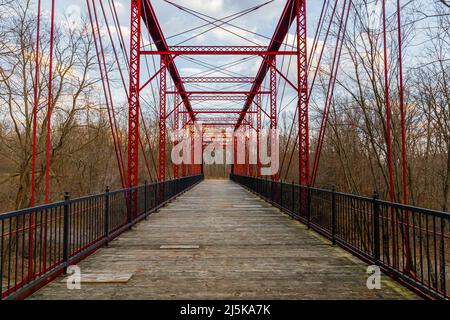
x,y
410,244
37,244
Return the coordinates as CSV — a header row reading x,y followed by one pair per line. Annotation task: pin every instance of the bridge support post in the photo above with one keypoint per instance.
x,y
176,127
133,112
162,118
258,134
302,74
66,234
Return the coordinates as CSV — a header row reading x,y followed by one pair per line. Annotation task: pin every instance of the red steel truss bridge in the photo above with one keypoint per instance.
x,y
169,232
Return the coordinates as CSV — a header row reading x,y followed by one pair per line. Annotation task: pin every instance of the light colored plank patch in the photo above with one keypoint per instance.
x,y
104,278
180,246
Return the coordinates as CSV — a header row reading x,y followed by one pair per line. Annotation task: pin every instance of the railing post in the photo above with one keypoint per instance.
x,y
106,216
66,239
308,206
376,228
333,214
281,195
156,194
130,207
145,200
293,199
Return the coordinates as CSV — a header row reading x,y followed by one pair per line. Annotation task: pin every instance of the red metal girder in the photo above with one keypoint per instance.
x,y
258,132
273,96
209,124
218,50
218,79
217,92
216,119
218,111
183,124
162,121
273,104
250,121
218,98
302,72
287,17
176,126
150,20
133,111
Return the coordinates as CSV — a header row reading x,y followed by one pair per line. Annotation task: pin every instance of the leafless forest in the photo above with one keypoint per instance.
x,y
354,155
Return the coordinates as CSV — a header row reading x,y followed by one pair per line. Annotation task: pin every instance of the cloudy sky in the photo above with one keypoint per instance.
x,y
261,22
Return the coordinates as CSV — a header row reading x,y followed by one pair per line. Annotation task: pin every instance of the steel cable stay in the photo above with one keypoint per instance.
x,y
314,47
108,85
117,145
331,85
222,21
125,87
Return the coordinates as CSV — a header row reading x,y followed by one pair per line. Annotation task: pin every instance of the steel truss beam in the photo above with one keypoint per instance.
x,y
133,111
162,120
217,92
150,20
218,111
218,50
218,98
176,126
218,79
286,20
302,73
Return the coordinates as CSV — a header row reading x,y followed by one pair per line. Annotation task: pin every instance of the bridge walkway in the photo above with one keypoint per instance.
x,y
219,241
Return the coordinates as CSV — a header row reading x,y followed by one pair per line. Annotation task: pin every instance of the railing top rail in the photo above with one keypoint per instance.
x,y
396,205
43,207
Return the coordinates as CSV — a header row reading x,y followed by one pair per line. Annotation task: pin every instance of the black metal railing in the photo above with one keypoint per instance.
x,y
37,244
410,244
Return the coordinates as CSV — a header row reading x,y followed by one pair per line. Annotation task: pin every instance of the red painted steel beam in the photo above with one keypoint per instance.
x,y
219,98
217,92
162,121
258,132
218,111
218,79
218,50
282,29
150,20
302,74
133,112
176,126
216,119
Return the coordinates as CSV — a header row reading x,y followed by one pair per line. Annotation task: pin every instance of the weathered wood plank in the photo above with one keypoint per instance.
x,y
218,241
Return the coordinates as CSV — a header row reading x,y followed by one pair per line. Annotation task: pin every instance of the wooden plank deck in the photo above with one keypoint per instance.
x,y
219,241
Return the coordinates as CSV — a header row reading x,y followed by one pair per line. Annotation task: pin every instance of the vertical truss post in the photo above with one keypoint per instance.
x,y
250,121
133,111
192,164
176,127
162,119
273,105
302,70
235,164
258,133
246,151
183,125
